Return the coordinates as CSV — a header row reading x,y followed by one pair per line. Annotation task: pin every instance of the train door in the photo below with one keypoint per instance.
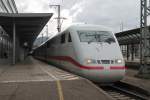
x,y
57,50
65,50
69,45
70,52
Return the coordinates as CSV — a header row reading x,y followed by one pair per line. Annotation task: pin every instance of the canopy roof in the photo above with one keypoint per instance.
x,y
129,37
28,25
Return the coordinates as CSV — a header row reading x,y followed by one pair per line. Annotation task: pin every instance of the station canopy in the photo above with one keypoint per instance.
x,y
129,37
28,25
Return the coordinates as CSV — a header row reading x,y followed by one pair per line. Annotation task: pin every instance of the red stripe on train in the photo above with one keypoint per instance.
x,y
69,59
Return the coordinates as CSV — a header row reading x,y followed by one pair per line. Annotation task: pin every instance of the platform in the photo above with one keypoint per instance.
x,y
35,80
131,79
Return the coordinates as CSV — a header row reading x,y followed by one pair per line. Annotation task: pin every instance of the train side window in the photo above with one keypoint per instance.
x,y
69,38
63,38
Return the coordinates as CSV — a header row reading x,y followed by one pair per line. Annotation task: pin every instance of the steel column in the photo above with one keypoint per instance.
x,y
132,52
58,18
14,43
58,21
127,51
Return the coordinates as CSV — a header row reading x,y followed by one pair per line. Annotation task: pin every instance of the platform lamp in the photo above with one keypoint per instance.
x,y
25,45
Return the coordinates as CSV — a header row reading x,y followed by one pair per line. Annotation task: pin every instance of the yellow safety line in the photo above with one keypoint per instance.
x,y
61,96
59,87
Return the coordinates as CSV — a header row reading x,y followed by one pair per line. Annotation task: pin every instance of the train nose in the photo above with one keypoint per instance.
x,y
106,75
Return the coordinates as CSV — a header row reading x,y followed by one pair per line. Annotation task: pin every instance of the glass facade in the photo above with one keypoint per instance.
x,y
5,45
6,6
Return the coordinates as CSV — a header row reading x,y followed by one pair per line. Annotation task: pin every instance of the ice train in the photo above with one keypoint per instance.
x,y
91,51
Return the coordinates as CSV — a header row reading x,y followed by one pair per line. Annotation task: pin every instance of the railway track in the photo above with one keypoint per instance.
x,y
123,91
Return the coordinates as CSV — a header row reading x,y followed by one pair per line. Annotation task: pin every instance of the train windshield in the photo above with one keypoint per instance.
x,y
96,36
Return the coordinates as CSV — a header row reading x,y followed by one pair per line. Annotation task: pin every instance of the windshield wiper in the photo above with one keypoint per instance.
x,y
92,40
110,40
97,38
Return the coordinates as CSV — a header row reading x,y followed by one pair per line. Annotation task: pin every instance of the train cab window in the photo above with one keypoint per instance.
x,y
96,36
69,38
63,38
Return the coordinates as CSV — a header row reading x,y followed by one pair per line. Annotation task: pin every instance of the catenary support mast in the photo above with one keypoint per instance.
x,y
145,39
58,19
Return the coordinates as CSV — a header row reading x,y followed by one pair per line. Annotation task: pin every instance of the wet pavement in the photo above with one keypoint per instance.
x,y
35,80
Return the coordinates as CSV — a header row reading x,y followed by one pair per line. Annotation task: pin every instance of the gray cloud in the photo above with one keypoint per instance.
x,y
110,13
104,12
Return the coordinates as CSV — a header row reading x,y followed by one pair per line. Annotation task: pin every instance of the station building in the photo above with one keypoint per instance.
x,y
18,31
6,6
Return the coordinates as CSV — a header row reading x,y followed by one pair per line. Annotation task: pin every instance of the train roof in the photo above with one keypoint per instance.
x,y
88,26
78,27
85,27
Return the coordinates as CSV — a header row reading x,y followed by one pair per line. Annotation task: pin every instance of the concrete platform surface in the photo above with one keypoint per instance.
x,y
35,80
131,79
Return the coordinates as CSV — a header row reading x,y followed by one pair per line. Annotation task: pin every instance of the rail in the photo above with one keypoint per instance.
x,y
123,91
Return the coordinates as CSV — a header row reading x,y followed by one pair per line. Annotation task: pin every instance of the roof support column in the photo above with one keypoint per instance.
x,y
128,52
132,52
14,43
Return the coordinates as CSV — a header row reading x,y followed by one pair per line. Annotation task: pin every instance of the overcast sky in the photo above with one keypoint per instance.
x,y
111,13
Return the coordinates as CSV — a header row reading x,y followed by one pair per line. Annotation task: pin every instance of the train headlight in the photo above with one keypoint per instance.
x,y
90,61
118,61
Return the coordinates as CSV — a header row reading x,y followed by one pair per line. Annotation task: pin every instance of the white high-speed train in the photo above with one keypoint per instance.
x,y
91,51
